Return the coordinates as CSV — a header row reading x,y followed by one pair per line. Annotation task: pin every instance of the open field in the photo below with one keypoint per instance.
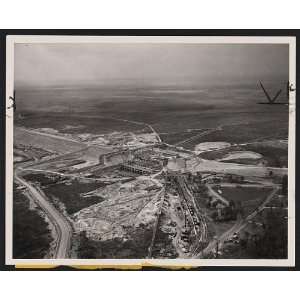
x,y
67,193
248,198
70,195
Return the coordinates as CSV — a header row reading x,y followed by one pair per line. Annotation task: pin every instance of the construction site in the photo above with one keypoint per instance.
x,y
111,188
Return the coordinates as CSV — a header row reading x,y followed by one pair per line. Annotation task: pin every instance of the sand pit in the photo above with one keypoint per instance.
x,y
241,155
210,146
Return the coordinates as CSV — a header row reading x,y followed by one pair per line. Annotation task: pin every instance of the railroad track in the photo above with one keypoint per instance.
x,y
202,233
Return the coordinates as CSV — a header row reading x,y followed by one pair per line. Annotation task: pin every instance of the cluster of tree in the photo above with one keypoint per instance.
x,y
227,213
235,178
274,157
272,243
87,248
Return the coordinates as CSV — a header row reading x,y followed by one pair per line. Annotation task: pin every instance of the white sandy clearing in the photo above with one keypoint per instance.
x,y
209,146
232,168
241,155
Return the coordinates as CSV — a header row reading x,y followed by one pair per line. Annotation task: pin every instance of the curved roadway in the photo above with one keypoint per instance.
x,y
62,226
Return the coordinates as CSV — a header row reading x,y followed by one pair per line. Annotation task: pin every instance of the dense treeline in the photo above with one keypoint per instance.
x,y
272,244
269,242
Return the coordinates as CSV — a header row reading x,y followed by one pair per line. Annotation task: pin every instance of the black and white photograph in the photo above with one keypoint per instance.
x,y
159,150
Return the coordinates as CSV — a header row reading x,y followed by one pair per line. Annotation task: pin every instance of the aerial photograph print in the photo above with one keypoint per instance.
x,y
150,151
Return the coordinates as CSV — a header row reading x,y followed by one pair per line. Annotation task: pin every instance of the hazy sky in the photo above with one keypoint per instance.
x,y
46,64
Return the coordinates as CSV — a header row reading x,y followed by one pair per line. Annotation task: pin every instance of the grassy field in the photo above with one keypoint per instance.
x,y
31,236
249,198
69,195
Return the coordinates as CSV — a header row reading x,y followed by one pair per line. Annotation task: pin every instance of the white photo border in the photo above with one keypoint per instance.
x,y
11,40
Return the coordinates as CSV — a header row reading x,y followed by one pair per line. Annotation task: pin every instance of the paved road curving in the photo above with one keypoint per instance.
x,y
62,226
